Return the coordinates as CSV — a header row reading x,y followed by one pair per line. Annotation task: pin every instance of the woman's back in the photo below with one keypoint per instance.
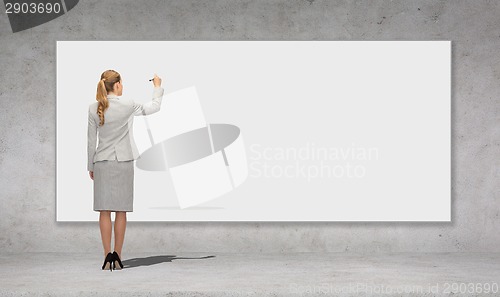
x,y
116,139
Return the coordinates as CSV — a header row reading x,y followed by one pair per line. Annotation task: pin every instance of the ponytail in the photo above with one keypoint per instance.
x,y
102,98
105,85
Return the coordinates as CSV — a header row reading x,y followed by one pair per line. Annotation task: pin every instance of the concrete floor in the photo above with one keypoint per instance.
x,y
253,274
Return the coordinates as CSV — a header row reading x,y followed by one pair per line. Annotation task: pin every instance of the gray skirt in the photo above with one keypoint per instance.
x,y
114,185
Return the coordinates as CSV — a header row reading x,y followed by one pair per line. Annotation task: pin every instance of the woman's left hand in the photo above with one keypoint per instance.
x,y
91,173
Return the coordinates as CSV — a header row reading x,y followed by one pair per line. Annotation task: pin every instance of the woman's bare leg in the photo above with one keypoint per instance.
x,y
120,225
105,226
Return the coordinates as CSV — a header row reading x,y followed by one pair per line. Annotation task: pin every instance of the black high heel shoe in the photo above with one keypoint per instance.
x,y
116,259
108,262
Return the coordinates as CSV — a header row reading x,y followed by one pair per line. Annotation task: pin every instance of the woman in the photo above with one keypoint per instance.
x,y
111,164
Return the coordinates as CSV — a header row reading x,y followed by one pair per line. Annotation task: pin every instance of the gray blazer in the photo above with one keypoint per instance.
x,y
116,140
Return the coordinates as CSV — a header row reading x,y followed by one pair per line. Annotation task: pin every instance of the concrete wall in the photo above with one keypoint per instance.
x,y
28,96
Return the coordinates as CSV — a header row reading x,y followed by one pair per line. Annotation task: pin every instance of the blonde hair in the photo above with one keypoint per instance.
x,y
105,85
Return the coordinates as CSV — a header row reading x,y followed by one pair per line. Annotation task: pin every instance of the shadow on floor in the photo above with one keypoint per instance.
x,y
152,260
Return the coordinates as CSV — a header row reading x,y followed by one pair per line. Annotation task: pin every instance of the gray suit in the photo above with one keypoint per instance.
x,y
116,140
